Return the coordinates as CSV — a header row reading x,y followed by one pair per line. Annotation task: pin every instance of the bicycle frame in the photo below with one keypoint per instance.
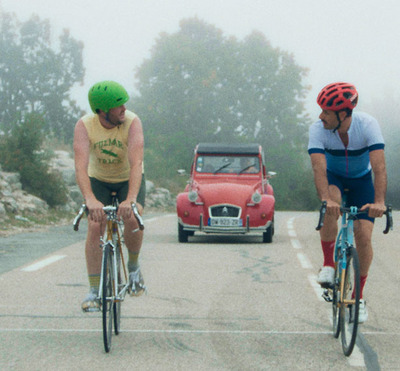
x,y
112,239
345,241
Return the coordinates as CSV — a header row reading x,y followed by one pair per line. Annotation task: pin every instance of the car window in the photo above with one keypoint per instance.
x,y
228,164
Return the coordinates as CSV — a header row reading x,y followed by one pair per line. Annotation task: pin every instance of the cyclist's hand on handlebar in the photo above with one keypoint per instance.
x,y
332,208
125,210
375,210
95,208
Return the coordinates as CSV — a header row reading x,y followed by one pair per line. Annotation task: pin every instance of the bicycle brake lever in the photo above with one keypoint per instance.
x,y
389,219
78,217
322,213
138,218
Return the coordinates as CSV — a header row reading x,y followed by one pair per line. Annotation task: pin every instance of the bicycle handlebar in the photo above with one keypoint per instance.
x,y
106,209
78,218
388,213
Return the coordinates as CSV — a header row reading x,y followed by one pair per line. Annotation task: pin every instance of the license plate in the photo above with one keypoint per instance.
x,y
224,222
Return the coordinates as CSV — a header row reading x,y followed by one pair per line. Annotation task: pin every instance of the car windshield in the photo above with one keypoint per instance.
x,y
227,164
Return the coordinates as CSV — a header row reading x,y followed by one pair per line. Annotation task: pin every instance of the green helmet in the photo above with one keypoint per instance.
x,y
105,95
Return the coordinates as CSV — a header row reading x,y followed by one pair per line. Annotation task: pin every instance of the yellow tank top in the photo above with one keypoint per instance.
x,y
108,159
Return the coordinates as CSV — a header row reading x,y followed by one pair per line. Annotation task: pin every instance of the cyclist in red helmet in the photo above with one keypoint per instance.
x,y
345,148
108,146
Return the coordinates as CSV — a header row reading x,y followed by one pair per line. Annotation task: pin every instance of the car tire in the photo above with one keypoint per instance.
x,y
182,235
267,235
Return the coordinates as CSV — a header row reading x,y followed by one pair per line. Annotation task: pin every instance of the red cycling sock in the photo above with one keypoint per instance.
x,y
328,248
363,279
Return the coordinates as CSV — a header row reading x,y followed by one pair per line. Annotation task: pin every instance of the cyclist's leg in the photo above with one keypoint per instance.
x,y
328,235
93,253
363,235
330,229
362,192
133,240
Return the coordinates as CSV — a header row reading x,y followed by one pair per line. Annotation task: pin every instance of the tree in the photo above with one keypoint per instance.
x,y
199,86
386,110
35,78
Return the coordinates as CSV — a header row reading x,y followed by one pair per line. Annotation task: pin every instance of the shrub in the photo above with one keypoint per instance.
x,y
21,151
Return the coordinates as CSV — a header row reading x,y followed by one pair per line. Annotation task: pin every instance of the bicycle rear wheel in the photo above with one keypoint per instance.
x,y
335,301
350,307
107,301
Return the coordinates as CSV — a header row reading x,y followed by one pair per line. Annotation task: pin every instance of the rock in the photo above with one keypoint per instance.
x,y
16,201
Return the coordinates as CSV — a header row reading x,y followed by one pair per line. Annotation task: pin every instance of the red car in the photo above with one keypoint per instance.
x,y
228,192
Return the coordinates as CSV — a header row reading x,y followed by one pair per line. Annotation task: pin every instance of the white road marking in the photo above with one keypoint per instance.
x,y
295,243
304,261
145,331
52,259
43,263
312,278
160,331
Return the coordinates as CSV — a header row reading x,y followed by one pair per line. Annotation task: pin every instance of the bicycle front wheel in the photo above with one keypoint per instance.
x,y
107,300
351,302
117,303
335,301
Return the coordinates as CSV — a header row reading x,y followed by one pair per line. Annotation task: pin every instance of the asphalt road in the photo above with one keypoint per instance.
x,y
214,303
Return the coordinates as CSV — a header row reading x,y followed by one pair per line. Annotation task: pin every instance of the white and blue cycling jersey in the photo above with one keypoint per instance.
x,y
351,161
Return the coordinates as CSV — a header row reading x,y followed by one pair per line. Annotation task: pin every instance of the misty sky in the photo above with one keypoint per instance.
x,y
355,41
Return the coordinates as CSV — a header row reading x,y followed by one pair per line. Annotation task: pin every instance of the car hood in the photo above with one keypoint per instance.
x,y
220,193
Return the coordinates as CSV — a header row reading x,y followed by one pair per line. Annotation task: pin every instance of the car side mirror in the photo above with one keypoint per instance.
x,y
181,172
271,174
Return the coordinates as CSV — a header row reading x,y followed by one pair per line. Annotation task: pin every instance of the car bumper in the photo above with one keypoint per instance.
x,y
201,227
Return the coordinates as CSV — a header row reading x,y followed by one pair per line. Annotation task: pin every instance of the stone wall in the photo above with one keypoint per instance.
x,y
13,200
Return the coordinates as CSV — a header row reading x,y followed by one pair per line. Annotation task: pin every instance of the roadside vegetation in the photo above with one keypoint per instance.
x,y
198,85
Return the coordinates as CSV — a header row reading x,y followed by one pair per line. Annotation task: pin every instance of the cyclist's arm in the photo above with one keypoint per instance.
x,y
377,159
81,151
318,162
135,157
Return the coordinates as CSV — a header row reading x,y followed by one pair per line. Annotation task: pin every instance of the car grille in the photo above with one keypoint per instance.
x,y
225,211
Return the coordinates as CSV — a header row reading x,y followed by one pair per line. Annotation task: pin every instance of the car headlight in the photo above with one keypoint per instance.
x,y
192,196
256,197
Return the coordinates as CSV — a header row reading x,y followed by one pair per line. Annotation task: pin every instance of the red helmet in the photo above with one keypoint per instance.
x,y
338,96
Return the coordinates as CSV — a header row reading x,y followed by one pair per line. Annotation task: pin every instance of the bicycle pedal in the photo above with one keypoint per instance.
x,y
326,296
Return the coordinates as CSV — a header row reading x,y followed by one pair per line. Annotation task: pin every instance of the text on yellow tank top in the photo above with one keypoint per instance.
x,y
108,158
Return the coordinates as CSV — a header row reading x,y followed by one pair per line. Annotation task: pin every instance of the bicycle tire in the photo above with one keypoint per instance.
x,y
349,312
107,302
117,304
335,300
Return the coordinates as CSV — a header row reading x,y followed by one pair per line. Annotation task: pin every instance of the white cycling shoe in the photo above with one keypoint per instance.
x,y
362,311
326,277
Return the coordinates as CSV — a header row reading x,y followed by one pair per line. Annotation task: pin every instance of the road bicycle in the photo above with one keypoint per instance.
x,y
345,292
114,280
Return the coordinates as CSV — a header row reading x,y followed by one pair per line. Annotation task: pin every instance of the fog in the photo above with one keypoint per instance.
x,y
355,41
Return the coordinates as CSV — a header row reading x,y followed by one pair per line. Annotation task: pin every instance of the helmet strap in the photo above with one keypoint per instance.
x,y
339,121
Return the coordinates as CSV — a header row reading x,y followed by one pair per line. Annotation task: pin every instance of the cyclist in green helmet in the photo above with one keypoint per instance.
x,y
108,147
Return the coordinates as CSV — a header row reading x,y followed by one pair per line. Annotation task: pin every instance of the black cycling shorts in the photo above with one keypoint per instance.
x,y
102,191
360,190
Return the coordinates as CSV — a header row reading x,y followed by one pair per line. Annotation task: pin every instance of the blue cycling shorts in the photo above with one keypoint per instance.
x,y
359,191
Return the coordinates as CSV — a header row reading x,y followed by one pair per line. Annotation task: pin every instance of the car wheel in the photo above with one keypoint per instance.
x,y
267,235
182,235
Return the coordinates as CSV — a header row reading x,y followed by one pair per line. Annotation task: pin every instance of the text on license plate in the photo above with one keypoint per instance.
x,y
225,222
